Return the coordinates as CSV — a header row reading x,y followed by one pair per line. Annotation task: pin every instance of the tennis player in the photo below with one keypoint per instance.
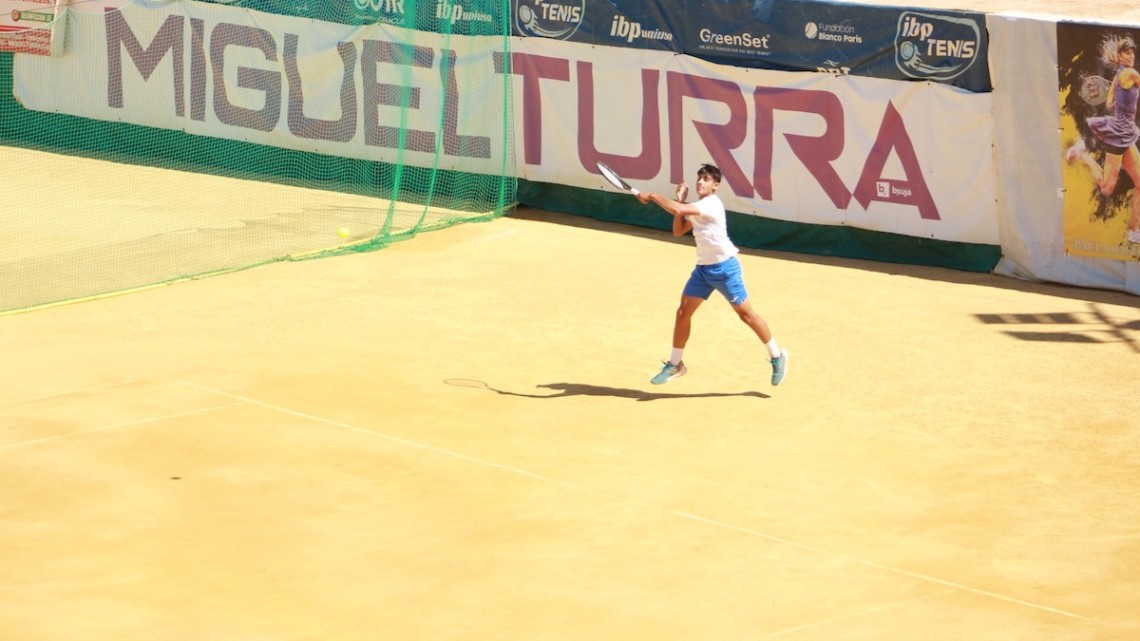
x,y
717,269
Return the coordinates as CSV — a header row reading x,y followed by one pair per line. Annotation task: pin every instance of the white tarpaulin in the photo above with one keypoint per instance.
x,y
912,158
1029,158
288,82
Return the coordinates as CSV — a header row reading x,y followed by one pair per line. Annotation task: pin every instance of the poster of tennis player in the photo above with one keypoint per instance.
x,y
1098,88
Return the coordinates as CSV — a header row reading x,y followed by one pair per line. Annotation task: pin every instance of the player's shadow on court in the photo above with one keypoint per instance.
x,y
564,390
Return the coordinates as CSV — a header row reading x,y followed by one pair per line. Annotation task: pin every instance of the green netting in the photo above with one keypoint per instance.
x,y
239,133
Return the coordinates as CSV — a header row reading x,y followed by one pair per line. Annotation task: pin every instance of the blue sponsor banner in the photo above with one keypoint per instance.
x,y
789,35
638,24
842,38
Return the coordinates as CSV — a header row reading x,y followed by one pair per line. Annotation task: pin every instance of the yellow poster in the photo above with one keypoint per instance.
x,y
1098,88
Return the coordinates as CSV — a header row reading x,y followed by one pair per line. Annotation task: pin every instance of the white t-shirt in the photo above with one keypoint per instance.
x,y
710,229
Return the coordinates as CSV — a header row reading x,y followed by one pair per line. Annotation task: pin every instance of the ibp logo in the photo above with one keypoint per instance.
x,y
929,46
547,19
628,30
454,12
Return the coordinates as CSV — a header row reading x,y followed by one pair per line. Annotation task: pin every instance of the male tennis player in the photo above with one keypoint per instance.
x,y
717,268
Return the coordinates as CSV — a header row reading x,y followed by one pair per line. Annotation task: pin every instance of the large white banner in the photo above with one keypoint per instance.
x,y
238,74
912,158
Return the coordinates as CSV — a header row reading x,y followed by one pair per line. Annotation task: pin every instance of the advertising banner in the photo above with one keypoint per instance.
x,y
900,157
1098,89
841,38
225,72
32,26
788,35
636,24
905,158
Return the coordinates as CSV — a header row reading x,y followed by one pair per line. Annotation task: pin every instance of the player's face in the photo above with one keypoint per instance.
x,y
1128,57
706,185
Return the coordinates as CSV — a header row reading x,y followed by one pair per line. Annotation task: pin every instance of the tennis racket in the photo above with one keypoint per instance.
x,y
1094,90
614,179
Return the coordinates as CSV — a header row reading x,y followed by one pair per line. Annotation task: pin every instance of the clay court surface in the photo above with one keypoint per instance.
x,y
455,438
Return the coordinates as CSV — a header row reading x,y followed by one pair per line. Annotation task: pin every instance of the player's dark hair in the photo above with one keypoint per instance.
x,y
712,171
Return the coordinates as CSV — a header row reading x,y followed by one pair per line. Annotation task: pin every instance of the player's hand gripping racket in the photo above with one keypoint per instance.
x,y
615,180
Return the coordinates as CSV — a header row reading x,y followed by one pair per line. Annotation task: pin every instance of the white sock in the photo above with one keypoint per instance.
x,y
773,348
676,357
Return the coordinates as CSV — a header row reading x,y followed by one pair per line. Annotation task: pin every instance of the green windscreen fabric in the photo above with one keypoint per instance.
x,y
171,141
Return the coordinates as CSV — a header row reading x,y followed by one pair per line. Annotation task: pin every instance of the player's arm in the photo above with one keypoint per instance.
x,y
1129,78
681,225
679,210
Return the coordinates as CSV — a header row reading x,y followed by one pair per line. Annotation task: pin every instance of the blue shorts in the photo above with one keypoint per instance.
x,y
725,278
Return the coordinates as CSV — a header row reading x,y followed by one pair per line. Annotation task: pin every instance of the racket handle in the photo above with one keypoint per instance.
x,y
633,190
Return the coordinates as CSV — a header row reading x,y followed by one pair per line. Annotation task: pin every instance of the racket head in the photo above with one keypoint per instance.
x,y
1094,90
613,178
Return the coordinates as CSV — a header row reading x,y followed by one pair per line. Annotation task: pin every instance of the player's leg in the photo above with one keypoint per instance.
x,y
1106,179
682,326
683,322
696,291
1102,176
729,281
754,321
732,287
778,356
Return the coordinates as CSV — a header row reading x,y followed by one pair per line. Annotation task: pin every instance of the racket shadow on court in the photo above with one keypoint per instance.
x,y
563,390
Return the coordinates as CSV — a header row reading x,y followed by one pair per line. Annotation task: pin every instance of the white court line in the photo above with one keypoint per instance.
x,y
115,427
68,393
857,613
685,515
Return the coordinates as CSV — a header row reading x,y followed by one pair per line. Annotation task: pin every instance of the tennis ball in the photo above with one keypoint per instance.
x,y
343,232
